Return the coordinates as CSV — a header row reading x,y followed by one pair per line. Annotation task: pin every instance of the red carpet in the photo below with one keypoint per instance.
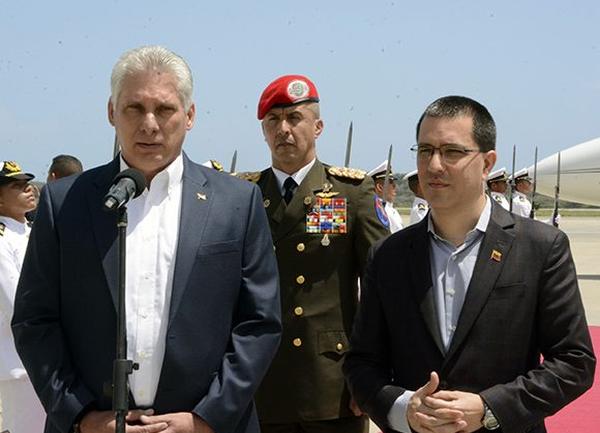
x,y
583,415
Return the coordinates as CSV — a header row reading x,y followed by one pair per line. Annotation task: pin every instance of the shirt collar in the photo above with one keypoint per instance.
x,y
297,176
13,225
481,226
170,176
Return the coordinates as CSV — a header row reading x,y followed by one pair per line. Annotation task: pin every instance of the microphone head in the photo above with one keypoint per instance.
x,y
135,175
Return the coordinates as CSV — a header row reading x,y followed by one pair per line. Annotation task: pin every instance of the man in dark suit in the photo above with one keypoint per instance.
x,y
458,309
202,302
323,221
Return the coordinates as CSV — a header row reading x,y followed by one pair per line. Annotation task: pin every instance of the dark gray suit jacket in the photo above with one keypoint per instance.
x,y
224,320
523,301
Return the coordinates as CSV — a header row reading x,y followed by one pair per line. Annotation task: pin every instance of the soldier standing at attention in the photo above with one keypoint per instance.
x,y
22,412
419,207
323,221
497,184
386,198
523,186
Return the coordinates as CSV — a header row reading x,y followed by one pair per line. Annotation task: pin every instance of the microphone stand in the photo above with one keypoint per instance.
x,y
122,367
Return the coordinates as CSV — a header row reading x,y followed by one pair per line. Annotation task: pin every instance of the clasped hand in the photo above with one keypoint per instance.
x,y
444,411
144,421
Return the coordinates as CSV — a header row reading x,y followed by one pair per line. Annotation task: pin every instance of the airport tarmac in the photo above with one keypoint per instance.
x,y
584,236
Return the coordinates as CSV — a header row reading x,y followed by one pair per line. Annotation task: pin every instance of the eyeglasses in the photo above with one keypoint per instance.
x,y
449,153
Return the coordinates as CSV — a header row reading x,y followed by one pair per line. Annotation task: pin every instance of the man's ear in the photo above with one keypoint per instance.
x,y
190,117
319,126
111,112
489,160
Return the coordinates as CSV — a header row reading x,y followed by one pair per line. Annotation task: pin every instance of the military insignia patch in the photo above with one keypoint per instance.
x,y
421,206
350,173
250,176
328,215
381,213
297,89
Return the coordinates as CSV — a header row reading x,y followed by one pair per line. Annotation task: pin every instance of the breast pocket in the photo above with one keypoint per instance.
x,y
219,248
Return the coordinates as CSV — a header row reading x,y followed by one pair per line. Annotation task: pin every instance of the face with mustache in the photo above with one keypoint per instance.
x,y
456,186
291,133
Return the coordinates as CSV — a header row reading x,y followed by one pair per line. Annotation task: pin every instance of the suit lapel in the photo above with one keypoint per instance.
x,y
104,226
196,201
297,208
422,284
492,255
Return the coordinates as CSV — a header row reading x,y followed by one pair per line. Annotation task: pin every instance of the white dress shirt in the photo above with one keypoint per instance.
x,y
297,176
394,217
13,243
500,199
521,204
152,233
418,210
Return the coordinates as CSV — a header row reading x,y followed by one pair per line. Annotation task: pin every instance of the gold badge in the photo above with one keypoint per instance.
x,y
325,241
496,256
267,202
200,196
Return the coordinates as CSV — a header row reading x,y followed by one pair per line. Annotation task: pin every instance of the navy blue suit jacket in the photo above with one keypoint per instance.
x,y
224,320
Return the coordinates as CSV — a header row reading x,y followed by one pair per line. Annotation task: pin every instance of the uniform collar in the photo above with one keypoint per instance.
x,y
13,225
298,176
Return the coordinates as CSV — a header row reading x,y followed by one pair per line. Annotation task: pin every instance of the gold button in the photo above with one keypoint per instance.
x,y
307,200
274,247
298,311
267,202
300,247
339,347
300,279
297,342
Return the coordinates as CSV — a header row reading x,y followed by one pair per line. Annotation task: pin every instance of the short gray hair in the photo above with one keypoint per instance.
x,y
149,58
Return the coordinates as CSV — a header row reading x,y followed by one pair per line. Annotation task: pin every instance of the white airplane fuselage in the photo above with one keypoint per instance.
x,y
579,173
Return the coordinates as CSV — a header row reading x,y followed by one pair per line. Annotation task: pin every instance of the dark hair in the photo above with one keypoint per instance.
x,y
65,165
484,128
413,181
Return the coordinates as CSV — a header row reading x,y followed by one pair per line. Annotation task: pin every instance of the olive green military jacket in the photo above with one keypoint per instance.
x,y
319,275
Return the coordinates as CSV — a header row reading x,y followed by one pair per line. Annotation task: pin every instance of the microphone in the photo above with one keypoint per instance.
x,y
126,185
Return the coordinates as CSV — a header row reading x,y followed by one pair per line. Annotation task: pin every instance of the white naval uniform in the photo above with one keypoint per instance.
x,y
22,411
521,204
394,217
418,210
500,199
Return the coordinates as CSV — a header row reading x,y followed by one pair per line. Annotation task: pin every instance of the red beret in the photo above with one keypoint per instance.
x,y
285,91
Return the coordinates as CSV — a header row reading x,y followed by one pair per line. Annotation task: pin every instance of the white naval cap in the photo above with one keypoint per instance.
x,y
522,174
410,174
379,171
497,175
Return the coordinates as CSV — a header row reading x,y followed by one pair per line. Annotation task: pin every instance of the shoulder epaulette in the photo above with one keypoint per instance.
x,y
216,165
2,227
251,176
350,173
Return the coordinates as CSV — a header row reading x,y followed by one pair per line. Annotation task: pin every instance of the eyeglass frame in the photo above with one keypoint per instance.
x,y
463,150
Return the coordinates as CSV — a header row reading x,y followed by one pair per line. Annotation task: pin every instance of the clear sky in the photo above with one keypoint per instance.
x,y
535,65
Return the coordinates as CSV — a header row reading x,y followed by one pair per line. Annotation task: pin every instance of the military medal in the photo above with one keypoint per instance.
x,y
328,216
325,241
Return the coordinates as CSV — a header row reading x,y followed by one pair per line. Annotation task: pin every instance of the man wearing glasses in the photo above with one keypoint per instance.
x,y
458,310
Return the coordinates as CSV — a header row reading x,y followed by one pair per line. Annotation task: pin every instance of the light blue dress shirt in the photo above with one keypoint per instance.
x,y
451,272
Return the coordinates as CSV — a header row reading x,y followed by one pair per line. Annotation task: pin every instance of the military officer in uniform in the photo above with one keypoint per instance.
x,y
520,202
323,221
419,207
497,183
22,412
386,198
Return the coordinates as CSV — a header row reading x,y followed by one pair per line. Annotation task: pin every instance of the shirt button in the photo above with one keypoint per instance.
x,y
300,279
297,342
300,247
298,311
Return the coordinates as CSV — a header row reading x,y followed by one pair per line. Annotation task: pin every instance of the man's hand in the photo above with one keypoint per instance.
x,y
471,405
180,422
104,422
425,419
354,408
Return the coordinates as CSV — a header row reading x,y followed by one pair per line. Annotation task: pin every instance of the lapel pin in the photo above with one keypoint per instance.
x,y
266,202
496,256
200,196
